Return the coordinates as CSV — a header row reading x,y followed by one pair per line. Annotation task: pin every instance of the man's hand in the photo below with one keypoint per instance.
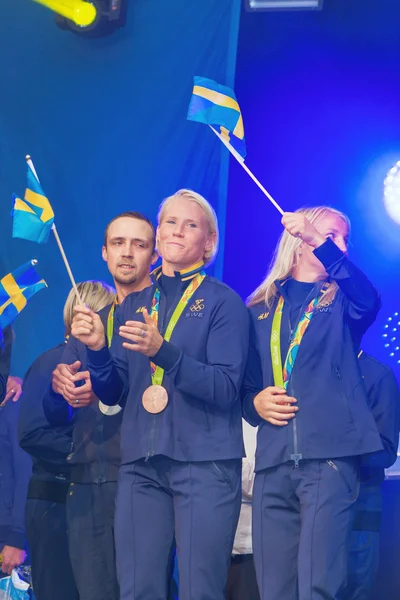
x,y
274,406
14,389
88,328
12,557
145,336
64,379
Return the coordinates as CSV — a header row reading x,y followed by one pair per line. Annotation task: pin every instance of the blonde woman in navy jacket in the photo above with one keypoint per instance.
x,y
304,390
181,439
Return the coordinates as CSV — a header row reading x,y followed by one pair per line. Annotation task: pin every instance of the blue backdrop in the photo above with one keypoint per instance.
x,y
320,97
105,123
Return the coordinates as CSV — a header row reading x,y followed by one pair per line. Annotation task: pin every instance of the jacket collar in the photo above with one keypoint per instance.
x,y
184,275
280,286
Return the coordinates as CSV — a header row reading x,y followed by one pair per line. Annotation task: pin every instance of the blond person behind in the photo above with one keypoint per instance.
x,y
49,447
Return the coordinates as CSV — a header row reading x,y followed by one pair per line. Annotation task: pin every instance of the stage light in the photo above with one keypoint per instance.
x,y
93,18
258,5
391,196
391,337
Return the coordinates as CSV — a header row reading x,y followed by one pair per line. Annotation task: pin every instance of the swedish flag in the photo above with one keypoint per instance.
x,y
16,289
33,216
215,104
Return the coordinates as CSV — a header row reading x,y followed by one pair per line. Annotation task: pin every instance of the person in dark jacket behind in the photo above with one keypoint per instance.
x,y
129,249
181,437
13,385
384,400
304,389
45,515
15,470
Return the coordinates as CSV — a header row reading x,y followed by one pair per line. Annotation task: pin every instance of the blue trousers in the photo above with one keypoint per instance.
x,y
363,564
46,532
90,513
198,504
302,521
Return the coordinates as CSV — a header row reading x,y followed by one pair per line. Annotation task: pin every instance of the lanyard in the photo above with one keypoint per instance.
x,y
282,375
110,323
157,373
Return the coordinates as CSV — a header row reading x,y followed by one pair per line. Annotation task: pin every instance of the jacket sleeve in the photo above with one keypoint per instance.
x,y
384,400
109,370
216,381
3,387
56,409
6,340
253,380
22,468
36,435
362,299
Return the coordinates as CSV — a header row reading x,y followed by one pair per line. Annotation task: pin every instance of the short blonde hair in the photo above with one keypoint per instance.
x,y
284,260
209,212
95,294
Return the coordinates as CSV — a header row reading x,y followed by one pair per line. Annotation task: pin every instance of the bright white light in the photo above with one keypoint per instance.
x,y
391,192
392,343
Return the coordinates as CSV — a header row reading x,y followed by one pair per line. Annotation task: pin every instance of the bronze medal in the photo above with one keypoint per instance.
x,y
155,399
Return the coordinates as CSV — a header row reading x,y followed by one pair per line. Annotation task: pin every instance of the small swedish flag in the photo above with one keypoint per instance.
x,y
215,104
16,289
33,216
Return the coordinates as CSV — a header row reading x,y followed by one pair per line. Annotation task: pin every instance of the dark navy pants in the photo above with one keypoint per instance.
x,y
46,532
363,564
302,521
198,504
90,514
242,582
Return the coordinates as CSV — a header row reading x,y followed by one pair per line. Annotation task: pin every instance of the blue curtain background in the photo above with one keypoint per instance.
x,y
320,97
105,123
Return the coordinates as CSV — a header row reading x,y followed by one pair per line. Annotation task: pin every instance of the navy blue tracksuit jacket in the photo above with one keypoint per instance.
x,y
15,471
334,419
384,402
15,464
45,514
204,364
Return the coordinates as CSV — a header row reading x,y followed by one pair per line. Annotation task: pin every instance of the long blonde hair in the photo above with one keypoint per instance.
x,y
284,260
207,209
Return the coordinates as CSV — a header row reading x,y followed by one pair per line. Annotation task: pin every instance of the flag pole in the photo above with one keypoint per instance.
x,y
240,160
55,232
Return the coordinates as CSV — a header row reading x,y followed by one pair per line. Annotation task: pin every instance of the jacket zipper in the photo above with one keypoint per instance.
x,y
339,472
296,456
167,315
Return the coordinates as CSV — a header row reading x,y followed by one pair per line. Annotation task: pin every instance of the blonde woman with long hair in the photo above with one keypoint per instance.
x,y
304,390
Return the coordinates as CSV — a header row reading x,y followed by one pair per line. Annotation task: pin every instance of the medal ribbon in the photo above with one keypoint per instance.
x,y
282,375
110,323
157,373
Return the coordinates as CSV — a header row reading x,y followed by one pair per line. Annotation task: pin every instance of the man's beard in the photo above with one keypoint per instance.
x,y
128,281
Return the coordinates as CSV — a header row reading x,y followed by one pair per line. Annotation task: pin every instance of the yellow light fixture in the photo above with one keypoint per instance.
x,y
82,13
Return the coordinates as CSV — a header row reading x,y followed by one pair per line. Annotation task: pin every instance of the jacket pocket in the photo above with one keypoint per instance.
x,y
221,472
352,493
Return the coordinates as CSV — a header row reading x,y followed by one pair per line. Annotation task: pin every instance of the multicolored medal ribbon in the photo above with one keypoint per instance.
x,y
282,375
155,398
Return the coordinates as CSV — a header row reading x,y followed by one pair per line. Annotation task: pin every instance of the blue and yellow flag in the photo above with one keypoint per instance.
x,y
16,289
32,216
215,104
